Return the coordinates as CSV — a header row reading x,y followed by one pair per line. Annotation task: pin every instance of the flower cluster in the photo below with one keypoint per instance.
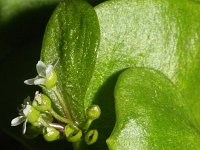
x,y
40,114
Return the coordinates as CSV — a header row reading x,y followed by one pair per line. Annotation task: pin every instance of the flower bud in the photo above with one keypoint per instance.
x,y
72,134
51,80
91,137
93,112
51,134
41,102
31,113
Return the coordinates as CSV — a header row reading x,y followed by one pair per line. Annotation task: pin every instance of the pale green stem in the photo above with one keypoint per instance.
x,y
60,118
87,125
62,103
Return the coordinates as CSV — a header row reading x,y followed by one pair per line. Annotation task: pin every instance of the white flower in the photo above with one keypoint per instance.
x,y
38,97
23,113
43,71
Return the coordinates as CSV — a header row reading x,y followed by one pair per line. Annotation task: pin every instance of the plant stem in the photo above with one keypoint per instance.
x,y
60,118
57,126
87,125
62,103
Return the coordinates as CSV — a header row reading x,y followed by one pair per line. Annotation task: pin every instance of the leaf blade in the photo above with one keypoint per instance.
x,y
72,35
155,118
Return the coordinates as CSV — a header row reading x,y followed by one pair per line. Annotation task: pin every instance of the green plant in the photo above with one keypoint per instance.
x,y
134,62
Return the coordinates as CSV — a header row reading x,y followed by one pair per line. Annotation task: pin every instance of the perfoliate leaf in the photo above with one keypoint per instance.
x,y
150,114
158,34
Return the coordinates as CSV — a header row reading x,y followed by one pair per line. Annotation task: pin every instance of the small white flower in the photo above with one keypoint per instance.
x,y
22,115
43,71
38,97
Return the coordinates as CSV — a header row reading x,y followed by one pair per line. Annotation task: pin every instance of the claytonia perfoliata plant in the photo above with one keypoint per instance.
x,y
40,114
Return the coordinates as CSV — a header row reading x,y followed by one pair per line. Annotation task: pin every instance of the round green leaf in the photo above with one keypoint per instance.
x,y
158,34
150,114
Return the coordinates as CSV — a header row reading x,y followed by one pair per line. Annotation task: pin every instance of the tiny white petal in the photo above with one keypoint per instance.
x,y
18,120
39,81
27,110
29,81
24,127
49,69
38,97
41,67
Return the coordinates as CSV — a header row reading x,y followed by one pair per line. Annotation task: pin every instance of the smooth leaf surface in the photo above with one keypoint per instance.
x,y
72,36
150,114
158,34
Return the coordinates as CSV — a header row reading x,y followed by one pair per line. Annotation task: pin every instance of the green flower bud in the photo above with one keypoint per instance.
x,y
51,80
91,137
51,134
72,134
41,102
31,114
93,112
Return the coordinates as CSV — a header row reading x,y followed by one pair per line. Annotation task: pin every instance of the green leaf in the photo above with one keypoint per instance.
x,y
72,36
150,114
158,34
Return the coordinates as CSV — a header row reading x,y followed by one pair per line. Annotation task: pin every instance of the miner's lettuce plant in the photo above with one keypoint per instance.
x,y
121,75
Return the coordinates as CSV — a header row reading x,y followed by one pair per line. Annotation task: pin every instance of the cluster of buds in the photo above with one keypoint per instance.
x,y
40,114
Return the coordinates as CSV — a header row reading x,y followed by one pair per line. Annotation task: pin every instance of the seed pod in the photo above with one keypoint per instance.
x,y
72,134
51,134
91,137
51,80
93,112
41,102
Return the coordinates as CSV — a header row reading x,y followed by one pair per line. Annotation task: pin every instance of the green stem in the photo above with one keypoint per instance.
x,y
60,118
87,125
62,103
56,126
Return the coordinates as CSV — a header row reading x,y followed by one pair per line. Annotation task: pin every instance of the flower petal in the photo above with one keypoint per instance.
x,y
49,69
24,127
41,67
51,66
27,110
29,81
18,120
39,81
38,97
